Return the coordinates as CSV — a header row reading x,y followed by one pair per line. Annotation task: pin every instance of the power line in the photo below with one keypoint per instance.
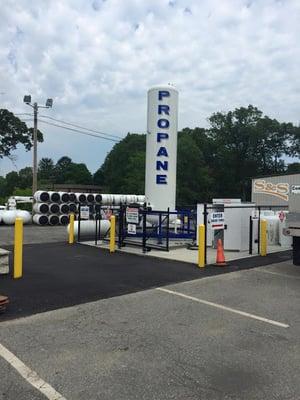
x,y
76,126
81,127
79,131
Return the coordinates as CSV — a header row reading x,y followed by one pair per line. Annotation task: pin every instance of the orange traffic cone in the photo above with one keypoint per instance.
x,y
220,261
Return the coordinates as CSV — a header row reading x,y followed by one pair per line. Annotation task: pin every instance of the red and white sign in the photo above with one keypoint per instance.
x,y
217,220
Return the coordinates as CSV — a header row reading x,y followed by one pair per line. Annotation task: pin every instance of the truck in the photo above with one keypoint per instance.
x,y
293,221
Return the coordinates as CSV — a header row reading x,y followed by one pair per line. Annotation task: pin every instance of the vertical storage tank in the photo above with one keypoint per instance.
x,y
161,147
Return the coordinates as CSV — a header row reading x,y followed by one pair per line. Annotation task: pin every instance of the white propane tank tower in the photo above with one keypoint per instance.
x,y
161,147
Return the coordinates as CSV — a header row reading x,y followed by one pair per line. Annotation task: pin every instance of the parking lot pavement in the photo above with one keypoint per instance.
x,y
58,275
13,386
33,234
159,345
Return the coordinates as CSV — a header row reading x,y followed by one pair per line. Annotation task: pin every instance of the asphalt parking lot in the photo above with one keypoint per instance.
x,y
226,336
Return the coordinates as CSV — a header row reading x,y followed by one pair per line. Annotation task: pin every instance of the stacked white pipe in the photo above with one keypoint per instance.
x,y
53,208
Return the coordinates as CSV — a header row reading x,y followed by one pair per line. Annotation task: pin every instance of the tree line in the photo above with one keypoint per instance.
x,y
217,161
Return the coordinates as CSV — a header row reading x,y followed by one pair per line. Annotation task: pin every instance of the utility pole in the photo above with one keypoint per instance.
x,y
34,169
35,106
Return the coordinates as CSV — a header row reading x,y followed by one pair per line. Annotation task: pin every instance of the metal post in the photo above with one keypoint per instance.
x,y
120,226
250,234
168,229
112,239
34,166
71,229
205,233
96,230
18,249
159,239
79,220
258,233
263,237
144,231
201,246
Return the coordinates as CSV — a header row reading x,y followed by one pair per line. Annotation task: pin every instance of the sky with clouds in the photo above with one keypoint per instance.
x,y
97,59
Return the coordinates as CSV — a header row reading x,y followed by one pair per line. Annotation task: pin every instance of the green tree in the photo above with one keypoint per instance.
x,y
194,183
293,168
246,144
12,182
25,178
14,132
124,167
46,170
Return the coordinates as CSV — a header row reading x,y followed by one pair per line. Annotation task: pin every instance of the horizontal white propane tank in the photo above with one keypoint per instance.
x,y
40,219
53,219
80,197
54,208
9,217
98,198
64,208
41,208
63,219
64,197
41,196
54,197
25,215
87,228
90,197
72,197
72,207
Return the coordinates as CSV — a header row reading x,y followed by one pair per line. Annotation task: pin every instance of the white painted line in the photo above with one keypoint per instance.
x,y
278,273
220,306
29,375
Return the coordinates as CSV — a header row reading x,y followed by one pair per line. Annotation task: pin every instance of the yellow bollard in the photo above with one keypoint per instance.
x,y
18,249
71,229
263,237
201,245
112,239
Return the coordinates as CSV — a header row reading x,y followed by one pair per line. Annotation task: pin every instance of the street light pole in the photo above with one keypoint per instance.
x,y
34,169
35,106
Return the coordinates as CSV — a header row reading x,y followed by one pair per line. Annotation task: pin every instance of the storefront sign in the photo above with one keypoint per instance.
x,y
280,190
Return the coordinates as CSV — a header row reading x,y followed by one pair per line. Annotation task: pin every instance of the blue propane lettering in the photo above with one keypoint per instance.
x,y
162,165
163,109
161,179
162,152
161,136
162,94
162,123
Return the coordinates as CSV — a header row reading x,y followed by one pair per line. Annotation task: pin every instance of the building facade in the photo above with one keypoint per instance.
x,y
273,190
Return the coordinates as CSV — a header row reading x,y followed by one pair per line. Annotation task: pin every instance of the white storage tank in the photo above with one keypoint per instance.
x,y
87,228
64,197
9,217
40,219
25,215
54,197
41,208
41,196
161,147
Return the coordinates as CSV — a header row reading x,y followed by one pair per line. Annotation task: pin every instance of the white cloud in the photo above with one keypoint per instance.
x,y
98,58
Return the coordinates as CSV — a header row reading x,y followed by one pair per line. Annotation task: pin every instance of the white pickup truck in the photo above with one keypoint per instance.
x,y
293,221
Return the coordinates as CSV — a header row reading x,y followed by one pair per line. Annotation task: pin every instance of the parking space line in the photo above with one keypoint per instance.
x,y
29,375
277,273
225,308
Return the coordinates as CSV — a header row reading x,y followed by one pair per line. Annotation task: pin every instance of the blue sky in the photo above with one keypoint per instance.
x,y
98,58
